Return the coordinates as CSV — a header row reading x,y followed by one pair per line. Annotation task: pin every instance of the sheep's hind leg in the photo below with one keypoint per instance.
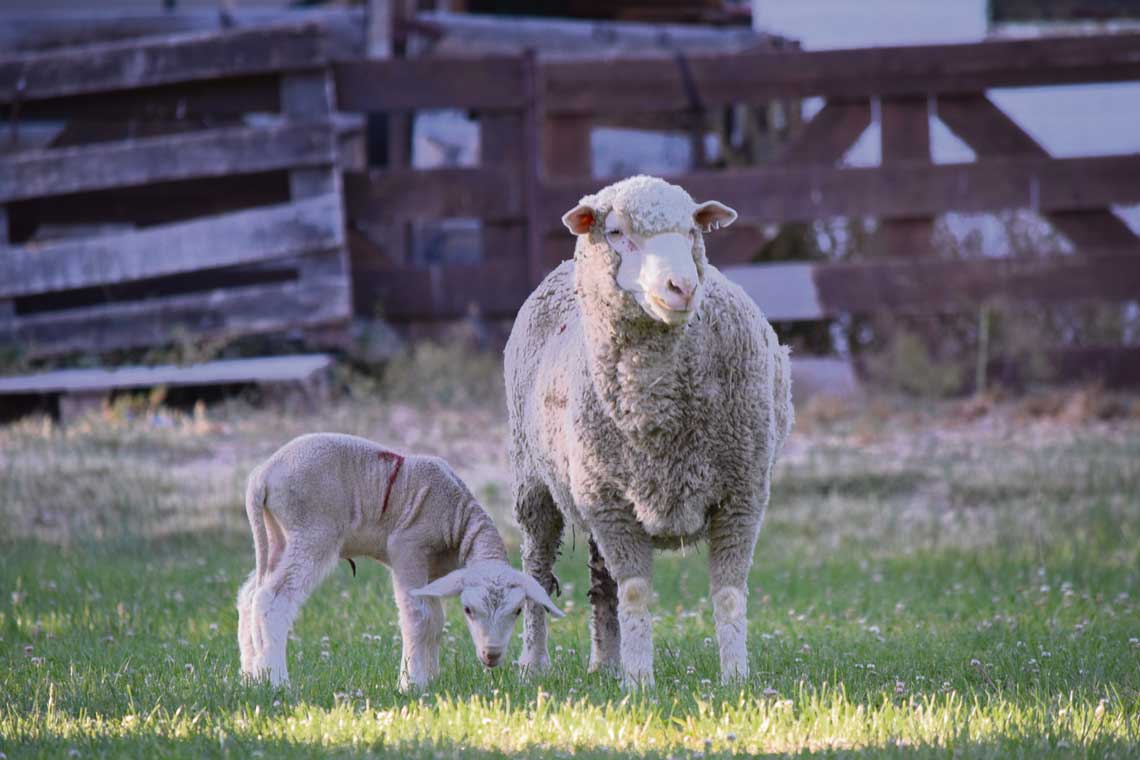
x,y
298,572
542,524
605,634
246,626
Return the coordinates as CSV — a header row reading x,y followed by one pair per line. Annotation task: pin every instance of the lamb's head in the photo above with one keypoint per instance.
x,y
492,594
651,234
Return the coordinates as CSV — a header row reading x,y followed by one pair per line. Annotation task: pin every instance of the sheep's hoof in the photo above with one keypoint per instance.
x,y
533,666
606,667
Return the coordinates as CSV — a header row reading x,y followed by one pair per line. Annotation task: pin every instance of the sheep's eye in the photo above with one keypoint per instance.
x,y
518,611
613,233
467,611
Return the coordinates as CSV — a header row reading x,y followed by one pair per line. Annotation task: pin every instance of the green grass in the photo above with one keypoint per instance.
x,y
960,591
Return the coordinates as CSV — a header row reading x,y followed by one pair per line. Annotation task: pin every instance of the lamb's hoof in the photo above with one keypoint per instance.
x,y
734,679
637,681
557,590
534,666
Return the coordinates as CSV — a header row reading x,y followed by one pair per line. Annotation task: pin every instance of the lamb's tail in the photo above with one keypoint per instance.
x,y
256,498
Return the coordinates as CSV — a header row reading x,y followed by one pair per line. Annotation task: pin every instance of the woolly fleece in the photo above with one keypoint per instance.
x,y
644,434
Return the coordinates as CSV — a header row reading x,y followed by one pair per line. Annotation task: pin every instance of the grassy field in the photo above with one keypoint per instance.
x,y
943,582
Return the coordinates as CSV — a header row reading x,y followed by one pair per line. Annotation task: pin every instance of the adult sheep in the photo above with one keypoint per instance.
x,y
648,400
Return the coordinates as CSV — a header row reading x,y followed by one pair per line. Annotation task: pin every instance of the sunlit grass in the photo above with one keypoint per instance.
x,y
955,593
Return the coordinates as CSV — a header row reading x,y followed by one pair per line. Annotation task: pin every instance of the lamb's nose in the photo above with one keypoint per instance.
x,y
491,659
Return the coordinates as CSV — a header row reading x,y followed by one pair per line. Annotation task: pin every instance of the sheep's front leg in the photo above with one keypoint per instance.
x,y
628,553
421,629
542,524
732,540
605,638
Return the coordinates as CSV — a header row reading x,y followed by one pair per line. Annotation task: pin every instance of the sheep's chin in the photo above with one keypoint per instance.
x,y
660,312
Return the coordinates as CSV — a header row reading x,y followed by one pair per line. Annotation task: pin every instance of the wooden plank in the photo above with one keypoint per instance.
x,y
493,83
829,134
566,146
470,34
218,99
502,143
307,97
238,238
990,132
795,193
45,29
167,60
130,163
383,194
224,313
905,135
496,287
818,291
573,86
292,368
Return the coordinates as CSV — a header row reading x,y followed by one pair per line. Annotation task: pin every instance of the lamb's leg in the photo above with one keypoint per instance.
x,y
605,639
245,625
628,553
421,630
541,523
300,569
732,540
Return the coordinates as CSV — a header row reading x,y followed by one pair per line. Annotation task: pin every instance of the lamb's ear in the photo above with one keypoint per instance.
x,y
712,215
537,594
580,219
449,585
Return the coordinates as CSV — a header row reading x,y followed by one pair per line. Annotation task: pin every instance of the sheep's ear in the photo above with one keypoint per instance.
x,y
538,595
449,585
580,219
712,215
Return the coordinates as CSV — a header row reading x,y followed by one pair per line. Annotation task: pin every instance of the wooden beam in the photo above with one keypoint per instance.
x,y
990,132
497,287
905,190
905,135
829,134
30,31
566,148
168,60
502,144
403,194
194,155
572,86
493,83
263,369
817,291
241,237
231,312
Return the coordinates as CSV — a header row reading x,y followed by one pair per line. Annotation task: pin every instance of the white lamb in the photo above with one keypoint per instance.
x,y
322,497
648,400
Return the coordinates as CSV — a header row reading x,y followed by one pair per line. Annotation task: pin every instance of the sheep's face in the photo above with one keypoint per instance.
x,y
493,595
655,229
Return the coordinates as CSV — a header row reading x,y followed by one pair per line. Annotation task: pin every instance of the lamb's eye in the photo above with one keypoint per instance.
x,y
613,233
518,611
467,611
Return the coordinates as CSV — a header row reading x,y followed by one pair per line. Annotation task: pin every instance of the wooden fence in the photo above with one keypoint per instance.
x,y
219,225
535,119
536,116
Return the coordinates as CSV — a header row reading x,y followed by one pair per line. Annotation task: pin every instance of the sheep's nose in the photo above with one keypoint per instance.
x,y
491,657
679,292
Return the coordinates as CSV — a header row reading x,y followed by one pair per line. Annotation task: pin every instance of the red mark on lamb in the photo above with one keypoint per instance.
x,y
397,460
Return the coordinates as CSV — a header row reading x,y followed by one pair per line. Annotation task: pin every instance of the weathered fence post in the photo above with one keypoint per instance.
x,y
905,124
